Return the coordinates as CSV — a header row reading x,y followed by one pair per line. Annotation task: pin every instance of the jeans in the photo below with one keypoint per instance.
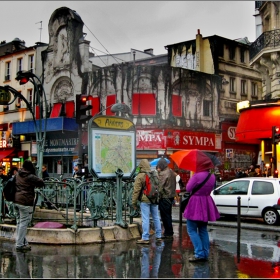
x,y
146,209
201,270
165,208
200,239
21,265
24,216
145,261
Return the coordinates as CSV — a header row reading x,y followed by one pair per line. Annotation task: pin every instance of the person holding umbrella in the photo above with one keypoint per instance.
x,y
200,209
167,187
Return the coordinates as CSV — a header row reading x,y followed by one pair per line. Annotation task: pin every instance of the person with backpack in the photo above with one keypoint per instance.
x,y
26,182
147,206
167,192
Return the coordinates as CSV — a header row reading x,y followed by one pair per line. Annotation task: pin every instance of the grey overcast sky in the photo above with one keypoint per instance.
x,y
117,26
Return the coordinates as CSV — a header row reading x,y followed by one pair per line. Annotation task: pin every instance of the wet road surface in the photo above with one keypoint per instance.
x,y
257,256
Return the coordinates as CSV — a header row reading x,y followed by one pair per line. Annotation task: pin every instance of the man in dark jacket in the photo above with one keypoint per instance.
x,y
26,182
167,192
4,178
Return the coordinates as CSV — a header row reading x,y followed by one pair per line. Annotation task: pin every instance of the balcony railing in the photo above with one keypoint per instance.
x,y
268,39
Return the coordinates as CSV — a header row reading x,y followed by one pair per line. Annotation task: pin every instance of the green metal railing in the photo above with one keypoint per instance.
x,y
82,202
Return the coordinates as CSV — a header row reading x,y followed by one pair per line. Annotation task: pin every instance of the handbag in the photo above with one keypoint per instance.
x,y
187,195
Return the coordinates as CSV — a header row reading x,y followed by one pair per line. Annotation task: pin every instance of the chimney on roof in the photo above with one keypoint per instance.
x,y
198,31
150,51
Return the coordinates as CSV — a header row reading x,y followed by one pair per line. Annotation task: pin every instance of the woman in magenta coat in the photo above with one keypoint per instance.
x,y
200,209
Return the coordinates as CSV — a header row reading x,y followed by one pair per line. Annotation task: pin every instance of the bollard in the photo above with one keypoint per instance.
x,y
180,214
238,228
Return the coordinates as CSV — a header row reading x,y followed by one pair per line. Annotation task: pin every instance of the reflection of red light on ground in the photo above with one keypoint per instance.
x,y
177,257
176,269
258,268
276,270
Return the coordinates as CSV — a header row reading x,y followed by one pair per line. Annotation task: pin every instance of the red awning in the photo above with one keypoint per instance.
x,y
255,124
56,110
6,152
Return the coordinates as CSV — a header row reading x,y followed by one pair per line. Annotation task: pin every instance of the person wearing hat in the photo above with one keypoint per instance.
x,y
146,205
167,192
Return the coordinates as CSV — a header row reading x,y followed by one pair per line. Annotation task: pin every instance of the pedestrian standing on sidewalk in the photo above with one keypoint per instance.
x,y
178,187
199,211
147,207
26,182
167,192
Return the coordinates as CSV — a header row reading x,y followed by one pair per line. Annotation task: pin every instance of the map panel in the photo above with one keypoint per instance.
x,y
113,150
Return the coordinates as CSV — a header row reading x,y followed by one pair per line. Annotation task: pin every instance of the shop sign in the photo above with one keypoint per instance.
x,y
59,144
3,144
228,133
176,139
193,140
150,140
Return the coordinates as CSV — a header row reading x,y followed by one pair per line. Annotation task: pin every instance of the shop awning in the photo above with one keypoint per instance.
x,y
255,124
54,124
6,152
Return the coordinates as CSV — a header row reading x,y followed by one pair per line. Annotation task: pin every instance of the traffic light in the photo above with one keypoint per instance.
x,y
275,175
23,77
276,134
82,108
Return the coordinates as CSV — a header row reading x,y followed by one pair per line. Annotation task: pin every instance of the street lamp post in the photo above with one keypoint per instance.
x,y
39,99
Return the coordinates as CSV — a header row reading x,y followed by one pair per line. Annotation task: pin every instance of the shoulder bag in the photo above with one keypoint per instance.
x,y
187,195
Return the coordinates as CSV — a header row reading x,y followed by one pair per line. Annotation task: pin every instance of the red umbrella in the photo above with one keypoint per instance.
x,y
194,160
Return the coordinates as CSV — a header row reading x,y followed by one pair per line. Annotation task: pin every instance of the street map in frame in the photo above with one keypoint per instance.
x,y
113,150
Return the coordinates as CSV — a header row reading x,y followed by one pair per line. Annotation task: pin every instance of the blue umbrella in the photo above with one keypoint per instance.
x,y
154,162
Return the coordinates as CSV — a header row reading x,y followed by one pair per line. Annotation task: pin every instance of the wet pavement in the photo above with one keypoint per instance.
x,y
257,255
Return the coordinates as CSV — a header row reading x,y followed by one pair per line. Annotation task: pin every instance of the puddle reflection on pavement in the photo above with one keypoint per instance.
x,y
168,259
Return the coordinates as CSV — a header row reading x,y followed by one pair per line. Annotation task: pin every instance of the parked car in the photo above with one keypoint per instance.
x,y
259,198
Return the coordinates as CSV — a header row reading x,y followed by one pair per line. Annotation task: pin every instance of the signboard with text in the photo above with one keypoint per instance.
x,y
178,140
111,146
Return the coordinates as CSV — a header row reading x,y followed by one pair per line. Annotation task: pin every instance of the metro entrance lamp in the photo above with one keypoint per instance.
x,y
39,99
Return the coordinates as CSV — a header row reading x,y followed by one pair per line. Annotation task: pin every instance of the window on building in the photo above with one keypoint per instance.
x,y
19,64
29,96
207,108
8,71
144,104
232,84
232,53
177,105
242,55
18,102
31,63
110,100
221,50
254,89
243,87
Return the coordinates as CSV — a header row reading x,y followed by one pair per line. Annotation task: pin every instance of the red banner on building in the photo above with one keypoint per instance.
x,y
150,139
177,140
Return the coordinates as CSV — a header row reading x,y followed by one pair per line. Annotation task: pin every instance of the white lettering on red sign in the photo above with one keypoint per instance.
x,y
150,138
3,144
231,132
195,140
